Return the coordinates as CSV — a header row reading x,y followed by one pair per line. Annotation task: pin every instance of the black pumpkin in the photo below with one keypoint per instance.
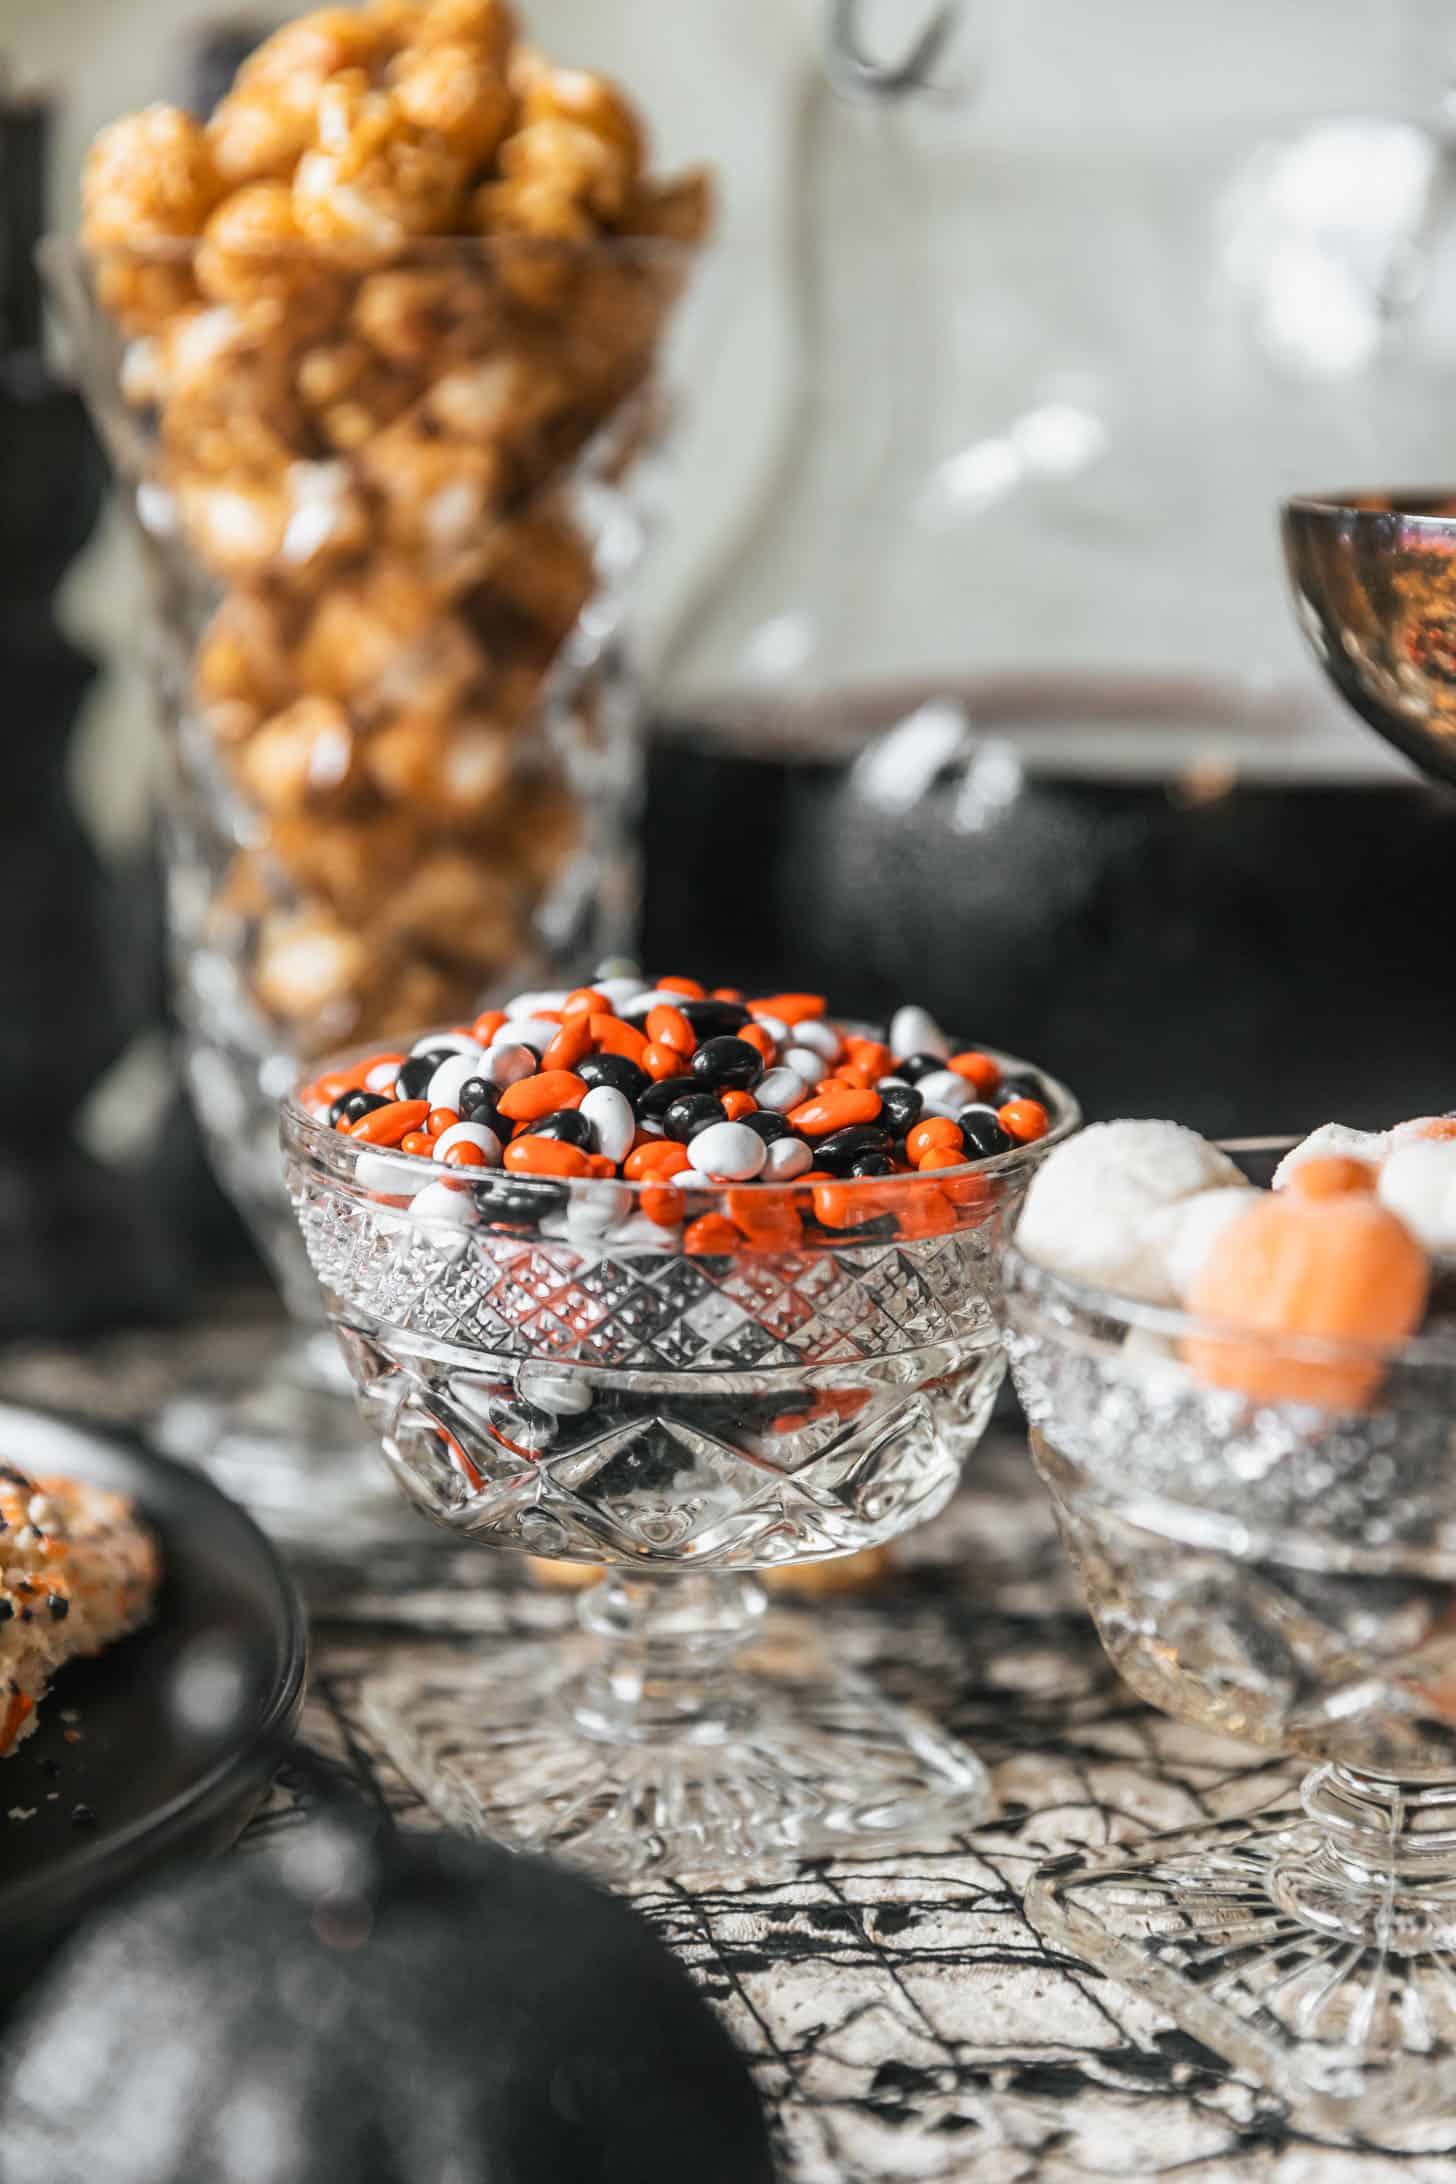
x,y
363,2007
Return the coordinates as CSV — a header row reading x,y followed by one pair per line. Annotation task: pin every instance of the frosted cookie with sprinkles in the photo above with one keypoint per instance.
x,y
78,1570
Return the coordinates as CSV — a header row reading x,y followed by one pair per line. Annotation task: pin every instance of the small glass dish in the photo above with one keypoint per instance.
x,y
1283,1572
555,1374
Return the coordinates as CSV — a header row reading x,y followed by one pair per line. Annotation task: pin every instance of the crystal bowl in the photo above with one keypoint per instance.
x,y
556,1374
1282,1571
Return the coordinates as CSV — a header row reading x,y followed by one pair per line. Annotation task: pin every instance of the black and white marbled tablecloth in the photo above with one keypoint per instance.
x,y
904,2019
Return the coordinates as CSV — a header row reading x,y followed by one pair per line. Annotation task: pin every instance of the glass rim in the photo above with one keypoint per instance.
x,y
1091,1300
304,1131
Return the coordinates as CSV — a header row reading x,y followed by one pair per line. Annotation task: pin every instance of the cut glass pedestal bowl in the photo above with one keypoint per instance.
x,y
568,1381
1285,1572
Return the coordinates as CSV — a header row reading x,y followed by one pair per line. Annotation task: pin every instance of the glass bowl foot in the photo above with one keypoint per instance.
x,y
735,1772
1331,1988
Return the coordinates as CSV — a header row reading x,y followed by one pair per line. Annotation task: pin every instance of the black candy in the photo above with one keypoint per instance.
x,y
375,2007
916,1066
566,1125
353,1106
982,1133
1023,1085
518,1200
765,1124
695,1111
653,1104
900,1107
413,1080
727,1061
872,1164
712,1019
615,1070
841,1148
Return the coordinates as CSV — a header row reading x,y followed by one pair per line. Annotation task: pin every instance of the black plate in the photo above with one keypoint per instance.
x,y
154,1778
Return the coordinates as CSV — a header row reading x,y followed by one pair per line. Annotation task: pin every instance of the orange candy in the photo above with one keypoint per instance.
x,y
935,1133
981,1071
585,1001
1025,1120
542,1094
1336,1266
789,1008
657,1158
870,1056
387,1125
940,1156
667,1026
833,1110
417,1141
760,1040
485,1027
661,1061
736,1104
463,1154
663,1205
687,987
439,1120
611,1036
545,1156
711,1232
571,1045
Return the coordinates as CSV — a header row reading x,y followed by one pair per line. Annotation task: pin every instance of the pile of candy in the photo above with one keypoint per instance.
x,y
1352,1245
373,313
675,1088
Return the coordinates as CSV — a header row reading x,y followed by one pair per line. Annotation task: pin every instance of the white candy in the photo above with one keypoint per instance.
x,y
393,1175
777,1030
526,1004
565,1393
1333,1139
618,990
820,1037
805,1063
788,1157
445,1087
593,1208
1085,1211
945,1092
534,1031
381,1077
915,1031
1179,1238
470,1133
613,1124
446,1042
442,1202
505,1065
1417,1131
780,1089
728,1149
641,1234
1418,1182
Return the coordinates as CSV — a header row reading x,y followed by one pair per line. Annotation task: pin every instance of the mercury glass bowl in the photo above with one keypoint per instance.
x,y
553,1373
1282,1571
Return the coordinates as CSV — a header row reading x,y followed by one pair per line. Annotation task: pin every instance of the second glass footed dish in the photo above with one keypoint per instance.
x,y
551,1371
1278,1566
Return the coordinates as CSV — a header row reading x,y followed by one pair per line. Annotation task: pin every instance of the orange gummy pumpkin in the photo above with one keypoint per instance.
x,y
1317,1261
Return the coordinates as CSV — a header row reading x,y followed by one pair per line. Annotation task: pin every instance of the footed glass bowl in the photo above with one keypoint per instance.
x,y
550,1371
1281,1570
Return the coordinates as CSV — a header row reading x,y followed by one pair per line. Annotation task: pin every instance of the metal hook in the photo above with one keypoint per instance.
x,y
853,70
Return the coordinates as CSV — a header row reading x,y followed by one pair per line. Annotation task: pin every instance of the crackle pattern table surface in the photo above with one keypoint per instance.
x,y
902,2015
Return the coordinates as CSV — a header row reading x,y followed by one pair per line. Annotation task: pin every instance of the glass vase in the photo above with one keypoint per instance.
x,y
389,507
